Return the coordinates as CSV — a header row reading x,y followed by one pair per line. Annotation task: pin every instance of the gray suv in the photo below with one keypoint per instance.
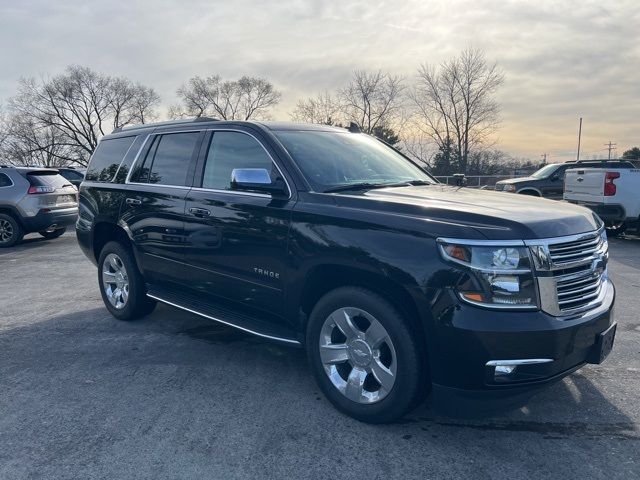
x,y
35,200
548,182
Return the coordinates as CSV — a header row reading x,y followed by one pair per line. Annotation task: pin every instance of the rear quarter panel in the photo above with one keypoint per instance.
x,y
98,202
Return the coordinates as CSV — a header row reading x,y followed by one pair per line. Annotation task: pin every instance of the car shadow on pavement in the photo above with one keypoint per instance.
x,y
88,360
29,242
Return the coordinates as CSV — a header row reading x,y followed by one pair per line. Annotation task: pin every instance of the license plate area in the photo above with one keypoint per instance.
x,y
62,199
603,346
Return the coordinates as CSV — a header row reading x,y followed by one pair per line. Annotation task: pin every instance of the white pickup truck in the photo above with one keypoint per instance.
x,y
614,194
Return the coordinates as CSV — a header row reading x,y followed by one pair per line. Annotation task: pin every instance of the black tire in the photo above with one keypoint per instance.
x,y
137,304
11,231
615,229
58,232
411,378
531,193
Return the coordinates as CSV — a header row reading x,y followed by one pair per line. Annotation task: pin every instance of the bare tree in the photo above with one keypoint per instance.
x,y
323,109
242,99
455,102
80,106
27,143
371,99
131,102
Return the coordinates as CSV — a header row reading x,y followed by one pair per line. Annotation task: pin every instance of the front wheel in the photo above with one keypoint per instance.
x,y
365,356
53,234
121,284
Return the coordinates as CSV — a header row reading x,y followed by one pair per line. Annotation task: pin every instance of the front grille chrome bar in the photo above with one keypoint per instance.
x,y
571,272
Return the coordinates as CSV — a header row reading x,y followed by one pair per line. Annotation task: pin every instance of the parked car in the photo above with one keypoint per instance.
x,y
548,181
329,239
74,175
612,194
34,200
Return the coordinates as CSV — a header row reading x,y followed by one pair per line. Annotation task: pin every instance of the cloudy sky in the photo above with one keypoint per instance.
x,y
561,59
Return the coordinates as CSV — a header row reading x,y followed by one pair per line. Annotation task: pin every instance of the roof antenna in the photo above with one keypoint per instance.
x,y
354,128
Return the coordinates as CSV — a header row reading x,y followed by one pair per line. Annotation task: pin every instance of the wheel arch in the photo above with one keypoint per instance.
x,y
12,212
530,191
104,232
322,279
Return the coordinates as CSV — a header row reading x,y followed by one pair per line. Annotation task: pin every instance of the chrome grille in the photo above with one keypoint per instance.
x,y
571,272
578,290
565,253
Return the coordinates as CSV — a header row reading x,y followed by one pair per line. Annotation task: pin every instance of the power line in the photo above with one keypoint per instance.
x,y
610,146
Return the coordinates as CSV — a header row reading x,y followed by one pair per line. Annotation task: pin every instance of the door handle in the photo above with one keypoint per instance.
x,y
133,201
199,212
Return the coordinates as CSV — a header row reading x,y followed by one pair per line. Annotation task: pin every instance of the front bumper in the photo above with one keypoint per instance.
x,y
468,338
51,219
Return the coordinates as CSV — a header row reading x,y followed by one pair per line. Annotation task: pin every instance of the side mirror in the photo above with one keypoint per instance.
x,y
554,177
256,180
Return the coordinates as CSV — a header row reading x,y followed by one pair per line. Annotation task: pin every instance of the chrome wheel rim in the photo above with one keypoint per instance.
x,y
358,355
115,281
6,231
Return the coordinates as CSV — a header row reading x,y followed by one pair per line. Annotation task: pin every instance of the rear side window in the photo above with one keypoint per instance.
x,y
231,150
106,159
169,158
5,181
72,174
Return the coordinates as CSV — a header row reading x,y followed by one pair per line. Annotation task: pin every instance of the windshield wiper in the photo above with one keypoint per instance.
x,y
363,186
416,183
370,185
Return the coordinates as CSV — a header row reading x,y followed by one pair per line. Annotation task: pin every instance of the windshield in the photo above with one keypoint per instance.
x,y
334,159
545,171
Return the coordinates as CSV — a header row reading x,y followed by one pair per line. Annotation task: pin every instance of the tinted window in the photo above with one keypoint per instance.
x,y
107,157
72,174
231,150
5,181
171,158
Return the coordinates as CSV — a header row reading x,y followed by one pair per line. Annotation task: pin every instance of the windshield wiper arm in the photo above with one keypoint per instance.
x,y
362,186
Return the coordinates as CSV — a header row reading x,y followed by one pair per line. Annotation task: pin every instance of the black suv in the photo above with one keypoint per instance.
x,y
329,239
548,182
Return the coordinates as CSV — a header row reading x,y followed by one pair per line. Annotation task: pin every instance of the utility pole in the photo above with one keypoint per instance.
x,y
579,137
611,146
544,158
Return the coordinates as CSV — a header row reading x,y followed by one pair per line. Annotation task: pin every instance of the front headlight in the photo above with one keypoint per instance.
x,y
500,276
509,187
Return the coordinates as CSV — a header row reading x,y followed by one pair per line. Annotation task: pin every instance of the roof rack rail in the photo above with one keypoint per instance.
x,y
168,122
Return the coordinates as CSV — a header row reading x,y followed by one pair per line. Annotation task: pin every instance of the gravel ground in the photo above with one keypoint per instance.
x,y
83,395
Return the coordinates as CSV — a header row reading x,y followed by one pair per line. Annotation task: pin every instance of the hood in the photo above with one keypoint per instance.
x,y
519,180
493,215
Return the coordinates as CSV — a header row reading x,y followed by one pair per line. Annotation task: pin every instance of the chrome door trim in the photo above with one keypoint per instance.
x,y
200,189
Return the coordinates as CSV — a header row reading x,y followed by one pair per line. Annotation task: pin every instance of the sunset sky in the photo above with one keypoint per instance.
x,y
561,60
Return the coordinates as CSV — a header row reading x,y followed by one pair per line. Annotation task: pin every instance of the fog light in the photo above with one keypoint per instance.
x,y
502,370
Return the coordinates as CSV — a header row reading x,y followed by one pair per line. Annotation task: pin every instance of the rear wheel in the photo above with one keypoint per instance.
x,y
10,231
364,355
121,284
615,228
54,234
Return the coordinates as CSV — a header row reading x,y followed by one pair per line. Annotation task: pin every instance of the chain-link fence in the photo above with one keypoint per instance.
x,y
476,181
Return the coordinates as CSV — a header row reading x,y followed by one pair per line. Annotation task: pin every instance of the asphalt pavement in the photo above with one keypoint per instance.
x,y
83,395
